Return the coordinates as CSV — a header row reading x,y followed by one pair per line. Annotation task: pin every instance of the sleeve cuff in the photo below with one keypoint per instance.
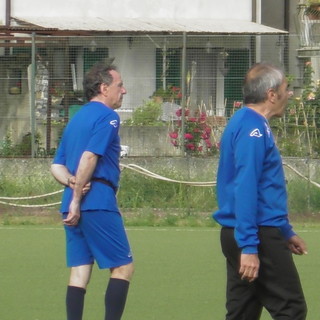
x,y
250,250
287,232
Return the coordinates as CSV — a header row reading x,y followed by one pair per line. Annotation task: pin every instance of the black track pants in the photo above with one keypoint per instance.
x,y
277,288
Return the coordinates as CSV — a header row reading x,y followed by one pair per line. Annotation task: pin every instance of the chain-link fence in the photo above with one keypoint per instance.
x,y
41,88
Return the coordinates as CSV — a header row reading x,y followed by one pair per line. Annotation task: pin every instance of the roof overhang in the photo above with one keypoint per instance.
x,y
86,26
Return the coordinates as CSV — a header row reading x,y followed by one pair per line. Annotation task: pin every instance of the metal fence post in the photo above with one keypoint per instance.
x,y
183,91
32,96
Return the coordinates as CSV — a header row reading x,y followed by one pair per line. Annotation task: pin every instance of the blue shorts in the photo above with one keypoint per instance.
x,y
100,236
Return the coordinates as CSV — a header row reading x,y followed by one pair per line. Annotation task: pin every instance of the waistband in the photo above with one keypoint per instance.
x,y
106,182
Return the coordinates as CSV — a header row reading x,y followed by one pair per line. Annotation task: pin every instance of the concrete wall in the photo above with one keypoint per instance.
x,y
147,141
214,9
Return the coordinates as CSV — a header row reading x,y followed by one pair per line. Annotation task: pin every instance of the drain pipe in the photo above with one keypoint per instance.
x,y
7,24
8,13
256,17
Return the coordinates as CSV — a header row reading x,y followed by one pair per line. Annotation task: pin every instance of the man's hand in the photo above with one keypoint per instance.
x,y
72,181
297,245
73,216
87,164
249,266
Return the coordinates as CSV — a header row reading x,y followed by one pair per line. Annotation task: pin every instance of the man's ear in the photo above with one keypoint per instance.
x,y
104,88
271,94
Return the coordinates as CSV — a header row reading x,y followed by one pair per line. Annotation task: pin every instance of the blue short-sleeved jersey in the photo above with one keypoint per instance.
x,y
251,188
94,128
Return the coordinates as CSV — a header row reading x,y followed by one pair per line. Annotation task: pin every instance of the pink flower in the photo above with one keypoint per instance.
x,y
175,89
188,136
179,112
203,117
192,119
205,136
190,146
208,143
200,149
175,143
237,104
207,130
173,135
176,92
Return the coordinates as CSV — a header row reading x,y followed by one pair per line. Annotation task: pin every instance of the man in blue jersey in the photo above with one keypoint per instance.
x,y
87,163
256,236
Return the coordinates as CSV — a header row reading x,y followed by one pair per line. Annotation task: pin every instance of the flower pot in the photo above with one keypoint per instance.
x,y
313,11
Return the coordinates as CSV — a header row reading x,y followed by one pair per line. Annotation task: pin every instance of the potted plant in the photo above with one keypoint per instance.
x,y
313,9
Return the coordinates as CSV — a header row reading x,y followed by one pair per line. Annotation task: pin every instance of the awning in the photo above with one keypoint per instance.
x,y
143,25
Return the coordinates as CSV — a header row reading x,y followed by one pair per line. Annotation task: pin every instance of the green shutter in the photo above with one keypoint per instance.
x,y
173,74
237,64
92,57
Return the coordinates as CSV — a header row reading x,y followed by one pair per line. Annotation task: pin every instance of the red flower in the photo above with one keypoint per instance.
x,y
179,112
188,136
175,89
208,143
207,130
173,135
175,143
190,146
203,117
237,104
205,136
197,132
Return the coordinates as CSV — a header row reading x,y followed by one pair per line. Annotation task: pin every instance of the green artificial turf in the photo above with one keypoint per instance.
x,y
180,275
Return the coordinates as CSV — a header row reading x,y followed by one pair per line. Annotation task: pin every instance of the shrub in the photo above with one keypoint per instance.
x,y
146,115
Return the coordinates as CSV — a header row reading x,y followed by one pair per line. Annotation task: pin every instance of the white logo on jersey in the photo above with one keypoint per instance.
x,y
255,133
268,130
114,123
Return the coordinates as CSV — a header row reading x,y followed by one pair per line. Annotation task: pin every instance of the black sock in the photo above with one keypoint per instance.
x,y
75,302
115,298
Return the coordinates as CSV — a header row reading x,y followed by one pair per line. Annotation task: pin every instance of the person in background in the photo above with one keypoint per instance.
x,y
257,239
87,163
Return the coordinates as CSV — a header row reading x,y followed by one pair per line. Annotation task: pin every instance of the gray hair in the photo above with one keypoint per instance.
x,y
98,74
260,78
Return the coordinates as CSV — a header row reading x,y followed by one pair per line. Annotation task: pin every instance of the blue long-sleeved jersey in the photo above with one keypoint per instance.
x,y
251,188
